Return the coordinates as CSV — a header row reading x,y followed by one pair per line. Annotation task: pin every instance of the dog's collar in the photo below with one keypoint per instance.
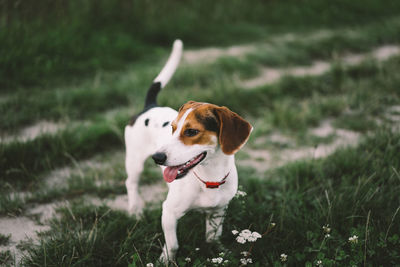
x,y
212,184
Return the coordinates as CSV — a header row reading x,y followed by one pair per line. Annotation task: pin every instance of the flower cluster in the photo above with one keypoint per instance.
x,y
219,260
240,193
246,235
150,265
283,257
245,261
327,230
353,239
319,263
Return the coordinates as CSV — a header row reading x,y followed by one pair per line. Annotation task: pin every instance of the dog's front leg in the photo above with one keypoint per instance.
x,y
169,221
214,221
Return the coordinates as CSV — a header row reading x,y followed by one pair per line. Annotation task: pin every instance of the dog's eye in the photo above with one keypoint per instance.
x,y
190,132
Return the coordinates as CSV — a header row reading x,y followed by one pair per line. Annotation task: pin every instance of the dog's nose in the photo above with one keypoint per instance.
x,y
159,158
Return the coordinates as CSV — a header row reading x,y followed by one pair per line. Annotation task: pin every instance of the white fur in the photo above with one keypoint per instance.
x,y
166,73
142,141
188,192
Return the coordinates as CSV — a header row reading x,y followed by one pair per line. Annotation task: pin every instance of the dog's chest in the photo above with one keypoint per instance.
x,y
214,198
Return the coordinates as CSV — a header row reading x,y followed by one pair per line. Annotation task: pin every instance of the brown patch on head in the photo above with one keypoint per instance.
x,y
182,110
207,120
200,125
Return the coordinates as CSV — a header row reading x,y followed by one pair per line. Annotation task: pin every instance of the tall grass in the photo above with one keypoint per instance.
x,y
354,191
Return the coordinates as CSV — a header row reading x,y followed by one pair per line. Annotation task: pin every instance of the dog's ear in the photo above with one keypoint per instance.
x,y
233,130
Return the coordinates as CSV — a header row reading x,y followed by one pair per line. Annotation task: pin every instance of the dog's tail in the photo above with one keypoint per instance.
x,y
164,76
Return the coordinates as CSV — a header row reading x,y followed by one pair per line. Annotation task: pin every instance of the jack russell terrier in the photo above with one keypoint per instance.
x,y
196,157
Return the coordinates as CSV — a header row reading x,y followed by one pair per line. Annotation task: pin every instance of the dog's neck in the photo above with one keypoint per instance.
x,y
216,167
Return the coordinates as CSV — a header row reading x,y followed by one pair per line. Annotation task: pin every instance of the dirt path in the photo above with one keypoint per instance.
x,y
32,131
272,75
266,159
210,54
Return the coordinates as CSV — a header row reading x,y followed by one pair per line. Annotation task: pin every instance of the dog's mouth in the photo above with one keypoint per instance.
x,y
176,172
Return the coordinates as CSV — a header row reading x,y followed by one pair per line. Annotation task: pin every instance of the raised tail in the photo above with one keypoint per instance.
x,y
165,75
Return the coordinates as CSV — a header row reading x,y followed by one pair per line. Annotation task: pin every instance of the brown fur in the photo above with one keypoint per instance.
x,y
232,130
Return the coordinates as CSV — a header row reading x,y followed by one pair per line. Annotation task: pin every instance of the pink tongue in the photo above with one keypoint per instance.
x,y
170,174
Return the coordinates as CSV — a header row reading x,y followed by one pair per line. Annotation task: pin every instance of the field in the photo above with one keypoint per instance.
x,y
319,82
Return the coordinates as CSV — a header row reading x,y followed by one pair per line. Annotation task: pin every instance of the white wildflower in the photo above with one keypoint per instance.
x,y
251,239
221,254
327,236
326,228
241,239
245,253
217,260
241,193
245,261
188,259
197,249
235,232
149,264
353,239
255,235
319,263
226,261
245,233
273,224
283,257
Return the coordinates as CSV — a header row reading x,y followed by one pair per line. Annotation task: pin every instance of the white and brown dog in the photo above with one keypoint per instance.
x,y
196,156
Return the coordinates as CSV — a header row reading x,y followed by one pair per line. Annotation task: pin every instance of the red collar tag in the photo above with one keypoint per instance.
x,y
212,185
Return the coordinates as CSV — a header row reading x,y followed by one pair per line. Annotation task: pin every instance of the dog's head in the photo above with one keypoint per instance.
x,y
200,131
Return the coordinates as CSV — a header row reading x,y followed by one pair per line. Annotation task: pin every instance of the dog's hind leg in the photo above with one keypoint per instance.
x,y
134,167
214,221
137,151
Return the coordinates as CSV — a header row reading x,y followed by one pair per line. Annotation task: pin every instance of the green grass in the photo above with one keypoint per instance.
x,y
11,205
327,46
105,91
6,258
108,90
22,162
292,105
87,65
55,42
4,239
353,191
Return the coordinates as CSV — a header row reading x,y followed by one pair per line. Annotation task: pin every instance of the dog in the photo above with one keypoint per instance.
x,y
195,148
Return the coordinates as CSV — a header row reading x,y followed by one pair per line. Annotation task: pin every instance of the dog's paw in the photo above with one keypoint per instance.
x,y
135,208
163,258
166,256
